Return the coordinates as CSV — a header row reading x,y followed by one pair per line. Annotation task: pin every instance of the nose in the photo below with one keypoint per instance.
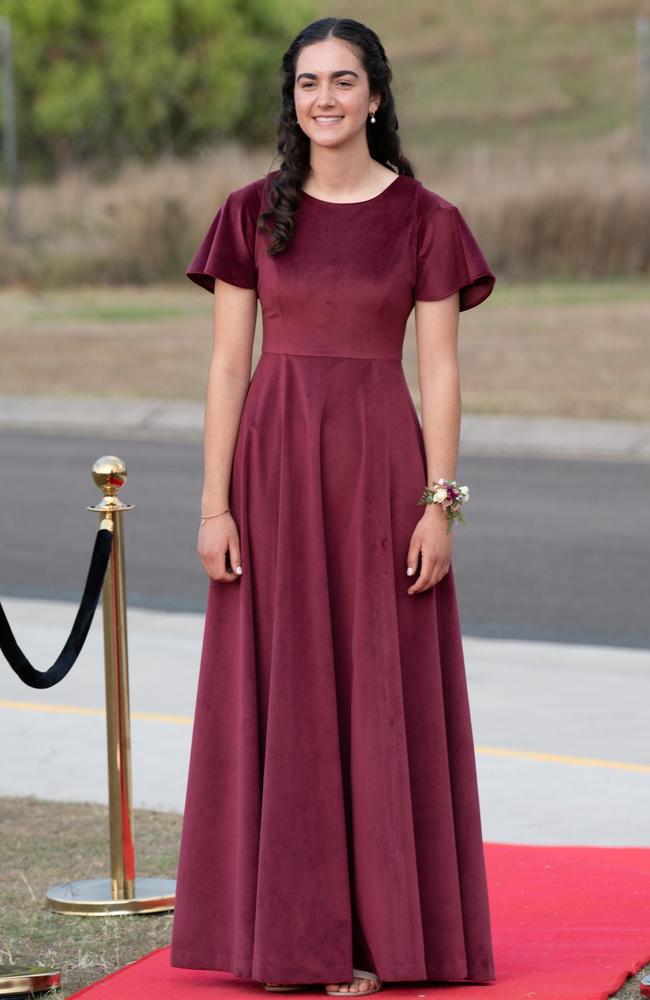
x,y
325,99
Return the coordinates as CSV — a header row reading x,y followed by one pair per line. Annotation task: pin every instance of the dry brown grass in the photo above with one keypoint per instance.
x,y
574,350
45,843
139,226
568,210
566,360
578,209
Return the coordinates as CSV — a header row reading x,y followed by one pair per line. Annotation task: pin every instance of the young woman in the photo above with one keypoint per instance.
x,y
332,832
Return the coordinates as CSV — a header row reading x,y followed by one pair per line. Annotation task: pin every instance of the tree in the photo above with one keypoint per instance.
x,y
113,78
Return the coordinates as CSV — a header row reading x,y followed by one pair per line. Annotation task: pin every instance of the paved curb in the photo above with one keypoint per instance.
x,y
487,434
557,437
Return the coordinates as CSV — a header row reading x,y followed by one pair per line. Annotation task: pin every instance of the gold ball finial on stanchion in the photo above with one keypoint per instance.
x,y
109,473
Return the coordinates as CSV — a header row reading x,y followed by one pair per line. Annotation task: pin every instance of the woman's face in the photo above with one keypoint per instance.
x,y
331,92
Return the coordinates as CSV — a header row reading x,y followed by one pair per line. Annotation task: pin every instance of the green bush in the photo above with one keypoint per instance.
x,y
102,81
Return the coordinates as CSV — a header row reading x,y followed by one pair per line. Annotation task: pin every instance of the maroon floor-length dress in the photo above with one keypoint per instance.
x,y
332,815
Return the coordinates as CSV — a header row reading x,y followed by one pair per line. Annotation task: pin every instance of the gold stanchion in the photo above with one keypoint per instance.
x,y
123,892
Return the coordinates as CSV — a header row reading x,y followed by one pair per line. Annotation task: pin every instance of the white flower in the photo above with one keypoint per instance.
x,y
439,496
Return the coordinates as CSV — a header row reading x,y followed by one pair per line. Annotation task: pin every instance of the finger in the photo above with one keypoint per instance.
x,y
412,558
217,567
436,572
423,583
235,557
439,571
423,580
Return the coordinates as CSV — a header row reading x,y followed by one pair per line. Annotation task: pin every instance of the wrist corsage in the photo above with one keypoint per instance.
x,y
449,496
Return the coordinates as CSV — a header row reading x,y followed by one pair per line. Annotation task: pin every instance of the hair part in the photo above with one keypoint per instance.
x,y
283,192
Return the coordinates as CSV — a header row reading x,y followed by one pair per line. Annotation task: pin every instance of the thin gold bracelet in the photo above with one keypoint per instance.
x,y
206,517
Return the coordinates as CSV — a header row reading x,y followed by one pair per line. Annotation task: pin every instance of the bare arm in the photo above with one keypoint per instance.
x,y
235,311
439,381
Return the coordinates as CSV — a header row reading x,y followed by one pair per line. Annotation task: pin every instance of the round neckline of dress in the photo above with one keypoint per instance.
x,y
366,201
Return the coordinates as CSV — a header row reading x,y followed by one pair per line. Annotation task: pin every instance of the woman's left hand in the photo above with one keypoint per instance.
x,y
433,536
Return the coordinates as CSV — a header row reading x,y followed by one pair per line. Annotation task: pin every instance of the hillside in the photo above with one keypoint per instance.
x,y
500,70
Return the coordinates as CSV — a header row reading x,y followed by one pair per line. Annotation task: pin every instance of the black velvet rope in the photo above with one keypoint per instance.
x,y
74,643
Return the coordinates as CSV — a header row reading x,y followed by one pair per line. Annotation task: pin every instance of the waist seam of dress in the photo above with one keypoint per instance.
x,y
344,357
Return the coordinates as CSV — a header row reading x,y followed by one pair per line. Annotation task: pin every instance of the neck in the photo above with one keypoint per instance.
x,y
340,171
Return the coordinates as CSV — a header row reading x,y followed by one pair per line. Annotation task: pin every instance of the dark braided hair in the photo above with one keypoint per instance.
x,y
283,190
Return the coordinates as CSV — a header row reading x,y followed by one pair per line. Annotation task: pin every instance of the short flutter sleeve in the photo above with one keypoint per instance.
x,y
227,250
448,257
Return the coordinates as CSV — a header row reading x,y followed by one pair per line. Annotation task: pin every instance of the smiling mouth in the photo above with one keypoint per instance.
x,y
328,119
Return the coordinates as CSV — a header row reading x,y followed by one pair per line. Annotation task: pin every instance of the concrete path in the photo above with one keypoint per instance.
x,y
560,730
480,434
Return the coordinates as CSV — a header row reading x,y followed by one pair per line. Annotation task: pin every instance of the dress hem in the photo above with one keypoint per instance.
x,y
342,973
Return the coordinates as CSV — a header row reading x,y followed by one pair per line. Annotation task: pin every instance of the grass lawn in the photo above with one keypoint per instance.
x,y
571,349
44,843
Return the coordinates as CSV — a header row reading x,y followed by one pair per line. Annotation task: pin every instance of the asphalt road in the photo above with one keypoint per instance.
x,y
554,549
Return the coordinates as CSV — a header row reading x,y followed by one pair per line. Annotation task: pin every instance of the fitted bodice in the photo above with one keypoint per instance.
x,y
352,272
345,284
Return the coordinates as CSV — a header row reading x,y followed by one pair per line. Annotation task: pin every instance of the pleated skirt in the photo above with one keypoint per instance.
x,y
332,815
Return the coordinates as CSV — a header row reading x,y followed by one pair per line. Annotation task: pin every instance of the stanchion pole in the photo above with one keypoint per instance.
x,y
123,892
110,477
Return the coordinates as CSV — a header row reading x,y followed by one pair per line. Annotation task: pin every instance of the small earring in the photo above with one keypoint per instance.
x,y
372,117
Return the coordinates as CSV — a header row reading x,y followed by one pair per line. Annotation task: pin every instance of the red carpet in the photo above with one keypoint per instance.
x,y
569,923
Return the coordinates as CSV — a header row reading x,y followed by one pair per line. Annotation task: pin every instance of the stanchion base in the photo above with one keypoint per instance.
x,y
93,897
18,980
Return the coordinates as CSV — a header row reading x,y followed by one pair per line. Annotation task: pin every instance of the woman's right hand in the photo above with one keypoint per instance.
x,y
218,548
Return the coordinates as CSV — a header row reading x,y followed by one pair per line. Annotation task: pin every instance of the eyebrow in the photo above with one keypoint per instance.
x,y
335,73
